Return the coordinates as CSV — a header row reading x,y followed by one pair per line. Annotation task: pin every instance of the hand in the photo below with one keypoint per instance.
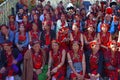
x,y
48,73
2,70
14,62
38,71
81,77
54,70
20,47
92,77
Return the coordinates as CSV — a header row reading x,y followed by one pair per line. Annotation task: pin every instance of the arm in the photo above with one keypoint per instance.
x,y
63,59
16,38
50,61
82,41
29,36
84,65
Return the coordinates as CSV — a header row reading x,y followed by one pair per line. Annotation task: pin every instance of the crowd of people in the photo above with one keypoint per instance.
x,y
61,43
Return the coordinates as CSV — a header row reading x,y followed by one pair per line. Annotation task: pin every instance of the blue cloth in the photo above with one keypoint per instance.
x,y
10,37
42,17
25,43
111,29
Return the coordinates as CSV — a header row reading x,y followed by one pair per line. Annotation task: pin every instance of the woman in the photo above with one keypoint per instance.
x,y
76,60
26,23
61,23
111,61
13,57
34,33
34,63
104,36
76,35
94,61
13,25
6,34
37,21
56,66
22,39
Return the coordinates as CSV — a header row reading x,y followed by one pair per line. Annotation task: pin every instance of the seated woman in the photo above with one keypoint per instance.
x,y
22,39
111,61
34,33
2,64
34,62
94,61
13,57
76,60
56,66
6,34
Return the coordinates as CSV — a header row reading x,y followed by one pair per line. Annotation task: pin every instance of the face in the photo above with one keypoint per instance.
x,y
108,18
47,16
25,19
34,27
4,29
62,17
22,28
74,27
11,19
90,29
75,46
55,46
35,17
21,11
96,47
91,16
6,48
104,29
36,47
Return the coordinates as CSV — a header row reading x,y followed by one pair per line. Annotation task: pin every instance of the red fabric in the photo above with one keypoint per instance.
x,y
47,39
37,61
94,63
90,22
60,74
22,37
72,75
34,36
79,58
10,59
12,27
111,61
76,37
27,26
104,38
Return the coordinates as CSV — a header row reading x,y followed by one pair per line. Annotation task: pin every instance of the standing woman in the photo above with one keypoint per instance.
x,y
76,60
22,39
94,61
56,66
